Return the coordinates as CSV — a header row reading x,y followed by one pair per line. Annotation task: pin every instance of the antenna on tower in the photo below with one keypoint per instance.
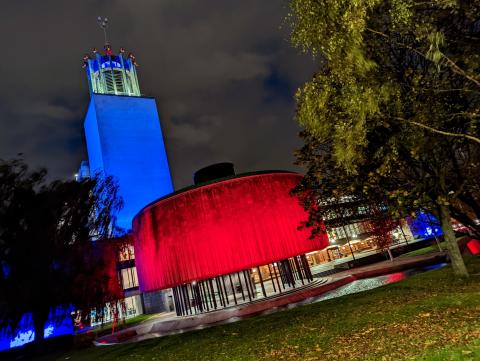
x,y
103,23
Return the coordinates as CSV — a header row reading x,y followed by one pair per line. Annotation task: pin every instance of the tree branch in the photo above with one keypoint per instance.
x,y
455,68
438,131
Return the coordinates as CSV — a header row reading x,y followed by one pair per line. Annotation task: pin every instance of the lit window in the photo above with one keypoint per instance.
x,y
129,278
126,253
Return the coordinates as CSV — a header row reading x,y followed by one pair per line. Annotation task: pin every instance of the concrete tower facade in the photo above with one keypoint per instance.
x,y
123,133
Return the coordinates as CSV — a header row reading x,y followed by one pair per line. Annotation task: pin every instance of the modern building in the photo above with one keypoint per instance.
x,y
83,171
227,240
124,140
132,304
123,133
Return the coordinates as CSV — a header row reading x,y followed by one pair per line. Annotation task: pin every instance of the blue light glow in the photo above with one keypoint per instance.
x,y
124,140
22,338
5,270
59,323
111,64
425,225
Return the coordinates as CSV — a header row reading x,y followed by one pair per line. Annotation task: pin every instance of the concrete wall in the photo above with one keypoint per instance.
x,y
155,302
124,140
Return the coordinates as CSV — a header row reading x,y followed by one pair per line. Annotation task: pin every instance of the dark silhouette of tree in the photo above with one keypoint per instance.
x,y
54,249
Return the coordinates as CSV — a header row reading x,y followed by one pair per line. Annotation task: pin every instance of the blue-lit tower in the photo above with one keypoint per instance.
x,y
123,133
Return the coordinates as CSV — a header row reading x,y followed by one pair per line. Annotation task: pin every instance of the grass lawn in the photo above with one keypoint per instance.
x,y
425,250
431,316
107,328
430,249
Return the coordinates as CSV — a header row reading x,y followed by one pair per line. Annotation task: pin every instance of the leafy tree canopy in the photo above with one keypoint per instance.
x,y
392,113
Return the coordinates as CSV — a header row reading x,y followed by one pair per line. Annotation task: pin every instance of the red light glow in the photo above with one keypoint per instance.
x,y
220,228
396,277
474,246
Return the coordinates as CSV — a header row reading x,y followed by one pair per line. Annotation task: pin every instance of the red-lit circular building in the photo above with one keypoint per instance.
x,y
225,241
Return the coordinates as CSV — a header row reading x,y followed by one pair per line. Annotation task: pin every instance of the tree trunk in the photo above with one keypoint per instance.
x,y
458,265
39,327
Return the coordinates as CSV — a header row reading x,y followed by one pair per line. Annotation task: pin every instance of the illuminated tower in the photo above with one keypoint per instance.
x,y
123,133
112,74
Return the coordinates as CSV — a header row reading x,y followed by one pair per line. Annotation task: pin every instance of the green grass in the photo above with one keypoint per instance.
x,y
431,248
465,352
431,316
107,328
425,250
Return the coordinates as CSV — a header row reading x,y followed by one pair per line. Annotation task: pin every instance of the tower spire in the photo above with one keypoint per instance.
x,y
111,73
103,23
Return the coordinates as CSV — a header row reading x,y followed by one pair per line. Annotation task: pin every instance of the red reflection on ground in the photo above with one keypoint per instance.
x,y
220,228
396,277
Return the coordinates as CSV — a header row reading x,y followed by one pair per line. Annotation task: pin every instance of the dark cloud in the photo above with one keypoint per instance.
x,y
223,74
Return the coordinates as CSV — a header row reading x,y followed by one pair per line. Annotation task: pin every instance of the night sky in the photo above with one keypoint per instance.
x,y
223,73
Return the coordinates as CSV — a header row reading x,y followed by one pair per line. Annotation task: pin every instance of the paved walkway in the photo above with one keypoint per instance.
x,y
358,255
169,323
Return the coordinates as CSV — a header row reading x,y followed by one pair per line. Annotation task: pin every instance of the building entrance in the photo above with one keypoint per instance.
x,y
241,287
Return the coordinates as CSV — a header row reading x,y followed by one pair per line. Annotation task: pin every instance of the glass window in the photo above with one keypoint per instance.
x,y
126,253
129,278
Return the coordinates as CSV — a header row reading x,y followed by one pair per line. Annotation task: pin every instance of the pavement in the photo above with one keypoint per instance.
x,y
168,323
